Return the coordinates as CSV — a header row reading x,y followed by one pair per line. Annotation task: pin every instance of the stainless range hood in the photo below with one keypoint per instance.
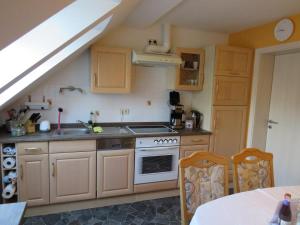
x,y
155,59
158,54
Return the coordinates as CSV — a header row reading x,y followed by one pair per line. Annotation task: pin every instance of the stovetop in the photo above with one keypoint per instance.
x,y
151,129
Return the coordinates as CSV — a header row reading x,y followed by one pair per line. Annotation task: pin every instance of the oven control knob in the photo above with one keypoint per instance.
x,y
161,141
156,141
174,141
165,141
170,141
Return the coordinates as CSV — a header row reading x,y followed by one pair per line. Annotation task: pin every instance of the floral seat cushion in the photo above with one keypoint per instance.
x,y
203,185
254,175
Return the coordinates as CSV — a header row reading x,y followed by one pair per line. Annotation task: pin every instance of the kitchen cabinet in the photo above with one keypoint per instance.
x,y
115,169
33,173
72,176
229,131
193,143
33,179
233,61
231,90
110,70
190,74
186,151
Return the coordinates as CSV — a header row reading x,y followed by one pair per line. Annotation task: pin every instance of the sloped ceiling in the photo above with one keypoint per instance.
x,y
220,15
18,17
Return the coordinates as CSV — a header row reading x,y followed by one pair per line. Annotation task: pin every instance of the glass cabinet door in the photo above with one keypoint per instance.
x,y
190,73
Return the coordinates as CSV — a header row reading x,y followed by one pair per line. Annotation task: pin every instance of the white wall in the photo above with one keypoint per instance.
x,y
150,83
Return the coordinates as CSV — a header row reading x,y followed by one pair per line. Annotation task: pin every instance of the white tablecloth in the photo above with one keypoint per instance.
x,y
248,208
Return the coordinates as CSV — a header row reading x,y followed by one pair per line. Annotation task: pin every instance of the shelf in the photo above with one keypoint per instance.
x,y
5,169
8,155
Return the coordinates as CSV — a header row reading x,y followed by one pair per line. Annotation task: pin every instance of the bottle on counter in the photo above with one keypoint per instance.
x,y
285,213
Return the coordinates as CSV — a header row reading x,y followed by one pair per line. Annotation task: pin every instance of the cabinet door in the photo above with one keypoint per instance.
x,y
190,74
229,129
33,179
231,90
233,61
186,151
72,176
111,70
115,172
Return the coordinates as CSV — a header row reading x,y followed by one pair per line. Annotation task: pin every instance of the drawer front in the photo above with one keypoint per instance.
x,y
72,146
195,140
32,148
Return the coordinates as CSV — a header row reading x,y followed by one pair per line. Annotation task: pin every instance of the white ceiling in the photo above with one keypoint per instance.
x,y
222,15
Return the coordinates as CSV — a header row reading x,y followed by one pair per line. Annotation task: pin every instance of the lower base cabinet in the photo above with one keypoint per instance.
x,y
115,172
33,179
72,176
186,151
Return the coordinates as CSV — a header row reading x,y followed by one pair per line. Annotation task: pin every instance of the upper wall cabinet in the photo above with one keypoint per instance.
x,y
233,61
190,74
110,70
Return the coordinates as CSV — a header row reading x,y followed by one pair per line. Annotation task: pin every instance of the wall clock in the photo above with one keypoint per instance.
x,y
284,29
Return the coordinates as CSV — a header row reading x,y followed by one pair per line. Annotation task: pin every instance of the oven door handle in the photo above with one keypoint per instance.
x,y
175,148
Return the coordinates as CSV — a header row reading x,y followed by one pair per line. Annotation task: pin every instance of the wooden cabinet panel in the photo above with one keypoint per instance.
x,y
233,61
229,129
72,176
32,148
190,75
195,140
33,179
111,70
115,172
186,151
231,90
72,146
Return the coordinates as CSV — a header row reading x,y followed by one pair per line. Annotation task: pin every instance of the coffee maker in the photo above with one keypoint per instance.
x,y
177,111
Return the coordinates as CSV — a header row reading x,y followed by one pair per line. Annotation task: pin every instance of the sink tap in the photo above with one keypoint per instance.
x,y
84,124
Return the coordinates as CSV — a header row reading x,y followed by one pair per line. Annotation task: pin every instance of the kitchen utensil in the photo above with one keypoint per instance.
x,y
45,126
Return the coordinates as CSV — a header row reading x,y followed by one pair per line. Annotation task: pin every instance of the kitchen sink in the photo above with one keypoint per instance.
x,y
72,131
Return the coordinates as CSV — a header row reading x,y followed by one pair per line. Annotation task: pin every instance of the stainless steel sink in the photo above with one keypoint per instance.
x,y
72,131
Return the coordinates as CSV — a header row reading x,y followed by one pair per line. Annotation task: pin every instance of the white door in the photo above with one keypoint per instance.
x,y
283,139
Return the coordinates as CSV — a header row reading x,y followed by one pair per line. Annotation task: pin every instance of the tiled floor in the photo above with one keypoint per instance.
x,y
165,211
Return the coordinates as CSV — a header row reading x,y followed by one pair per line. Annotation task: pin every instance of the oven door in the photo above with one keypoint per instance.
x,y
156,164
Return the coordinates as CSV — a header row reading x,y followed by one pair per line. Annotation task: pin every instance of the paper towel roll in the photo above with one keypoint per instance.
x,y
9,191
9,150
9,162
10,177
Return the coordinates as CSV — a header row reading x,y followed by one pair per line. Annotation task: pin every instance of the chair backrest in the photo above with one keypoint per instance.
x,y
253,169
203,177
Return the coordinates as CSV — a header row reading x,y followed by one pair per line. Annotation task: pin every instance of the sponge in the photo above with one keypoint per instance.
x,y
98,129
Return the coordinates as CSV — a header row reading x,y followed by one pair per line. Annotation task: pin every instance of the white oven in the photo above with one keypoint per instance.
x,y
156,159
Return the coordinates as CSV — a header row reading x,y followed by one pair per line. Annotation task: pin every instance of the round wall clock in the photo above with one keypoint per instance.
x,y
284,29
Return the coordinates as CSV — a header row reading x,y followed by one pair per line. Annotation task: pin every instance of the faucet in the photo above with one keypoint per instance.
x,y
85,124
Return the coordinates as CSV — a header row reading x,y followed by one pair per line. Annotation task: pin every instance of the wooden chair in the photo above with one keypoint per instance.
x,y
252,169
203,177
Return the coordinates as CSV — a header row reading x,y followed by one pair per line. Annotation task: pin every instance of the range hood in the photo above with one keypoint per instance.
x,y
148,59
158,54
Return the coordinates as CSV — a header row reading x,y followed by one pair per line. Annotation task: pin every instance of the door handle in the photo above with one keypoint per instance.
x,y
21,172
272,122
53,169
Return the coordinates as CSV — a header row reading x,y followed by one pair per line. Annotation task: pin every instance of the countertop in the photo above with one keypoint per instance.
x,y
108,132
12,213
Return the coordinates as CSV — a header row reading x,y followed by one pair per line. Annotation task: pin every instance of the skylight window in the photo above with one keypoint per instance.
x,y
33,54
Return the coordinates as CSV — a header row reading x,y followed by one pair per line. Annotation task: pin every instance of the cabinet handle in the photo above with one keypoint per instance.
x,y
95,79
33,149
215,124
21,172
196,140
53,169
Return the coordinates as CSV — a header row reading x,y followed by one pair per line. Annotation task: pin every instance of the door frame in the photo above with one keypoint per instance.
x,y
261,91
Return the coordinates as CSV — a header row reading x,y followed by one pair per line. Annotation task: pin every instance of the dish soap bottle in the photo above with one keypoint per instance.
x,y
285,214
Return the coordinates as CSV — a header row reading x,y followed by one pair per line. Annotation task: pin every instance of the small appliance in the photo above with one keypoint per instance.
x,y
198,119
177,111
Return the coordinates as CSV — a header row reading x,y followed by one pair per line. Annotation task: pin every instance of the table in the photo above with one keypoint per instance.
x,y
247,208
12,213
